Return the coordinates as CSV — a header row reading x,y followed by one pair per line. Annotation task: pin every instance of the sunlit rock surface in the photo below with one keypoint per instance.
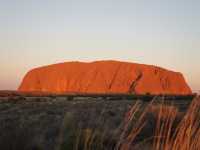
x,y
104,77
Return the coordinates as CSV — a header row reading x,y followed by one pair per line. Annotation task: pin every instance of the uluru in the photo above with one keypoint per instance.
x,y
104,77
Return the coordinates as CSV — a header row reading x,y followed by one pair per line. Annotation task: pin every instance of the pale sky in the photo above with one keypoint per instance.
x,y
34,33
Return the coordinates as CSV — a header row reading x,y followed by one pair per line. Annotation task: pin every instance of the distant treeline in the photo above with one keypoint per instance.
x,y
107,96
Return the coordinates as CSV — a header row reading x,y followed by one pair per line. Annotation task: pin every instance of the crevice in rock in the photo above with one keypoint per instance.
x,y
114,77
38,83
135,82
91,81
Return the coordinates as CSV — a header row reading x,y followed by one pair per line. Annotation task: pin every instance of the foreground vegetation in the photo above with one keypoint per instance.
x,y
51,123
172,129
168,133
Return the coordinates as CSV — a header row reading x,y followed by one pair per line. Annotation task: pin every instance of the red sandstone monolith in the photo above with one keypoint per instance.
x,y
104,77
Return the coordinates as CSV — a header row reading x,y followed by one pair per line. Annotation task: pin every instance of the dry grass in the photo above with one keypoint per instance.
x,y
187,133
89,139
168,135
172,130
125,140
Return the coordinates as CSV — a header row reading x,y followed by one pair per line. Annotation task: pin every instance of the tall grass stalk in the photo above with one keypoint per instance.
x,y
168,135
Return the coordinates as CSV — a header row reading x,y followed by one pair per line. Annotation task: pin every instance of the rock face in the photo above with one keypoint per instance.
x,y
104,77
